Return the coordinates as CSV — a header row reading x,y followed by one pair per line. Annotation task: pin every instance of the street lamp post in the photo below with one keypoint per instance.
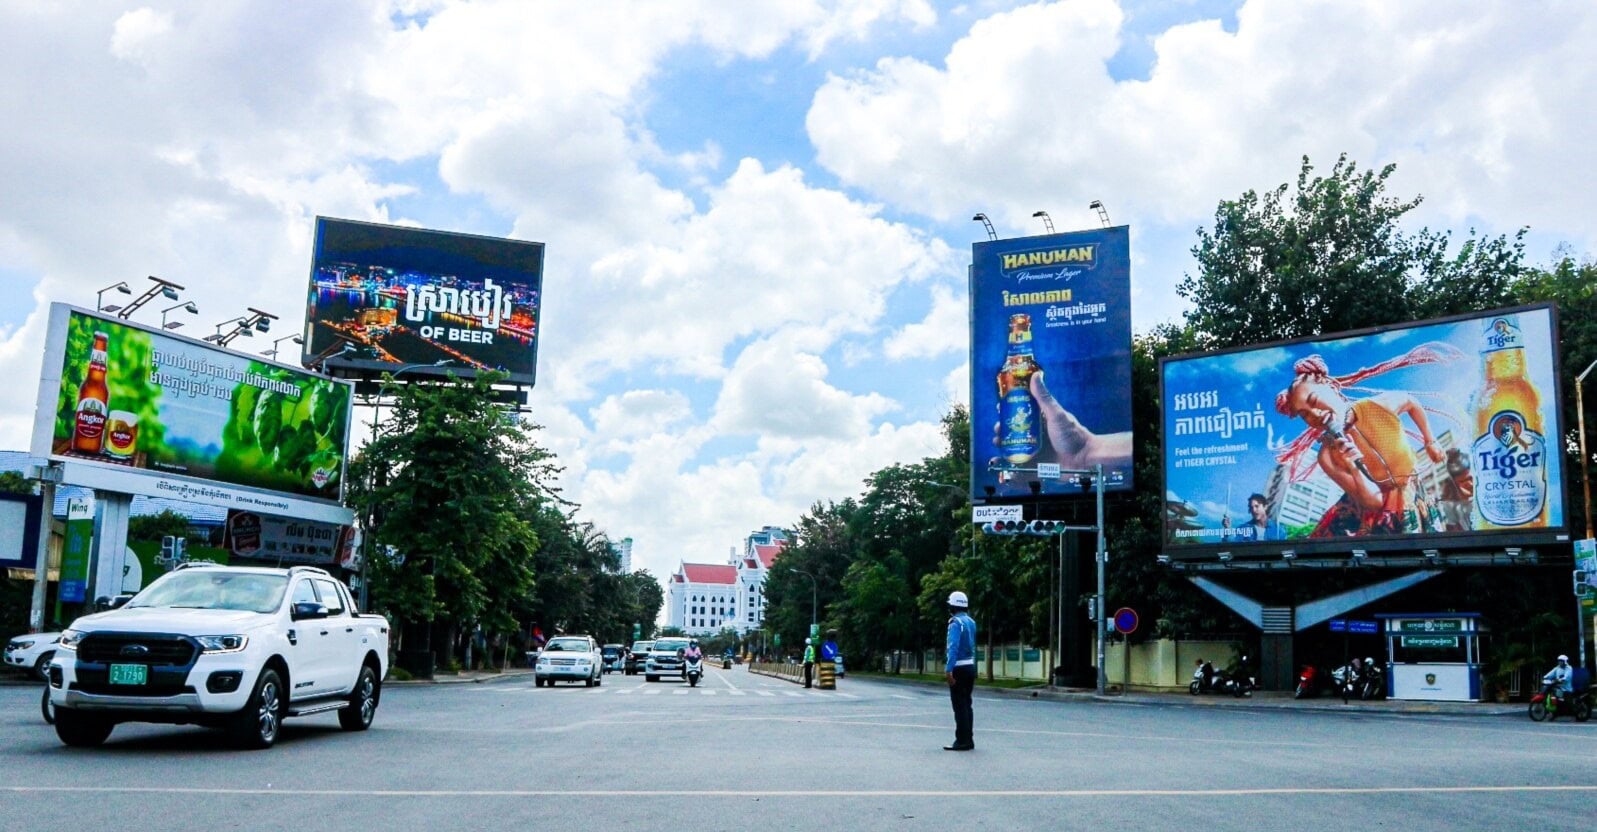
x,y
813,620
1585,484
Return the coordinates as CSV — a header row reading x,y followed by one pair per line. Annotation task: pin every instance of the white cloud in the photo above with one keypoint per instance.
x,y
639,412
775,389
945,329
133,36
1485,109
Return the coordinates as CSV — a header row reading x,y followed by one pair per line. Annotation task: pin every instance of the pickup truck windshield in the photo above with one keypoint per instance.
x,y
210,589
669,645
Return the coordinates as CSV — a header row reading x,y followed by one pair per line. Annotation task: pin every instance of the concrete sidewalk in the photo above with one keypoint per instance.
x,y
467,677
1274,700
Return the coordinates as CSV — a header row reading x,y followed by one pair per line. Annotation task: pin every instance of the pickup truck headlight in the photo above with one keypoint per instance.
x,y
222,644
69,640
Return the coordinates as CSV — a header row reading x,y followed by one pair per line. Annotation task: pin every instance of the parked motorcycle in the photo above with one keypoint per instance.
x,y
1206,679
1308,682
1242,683
1549,705
694,670
1348,681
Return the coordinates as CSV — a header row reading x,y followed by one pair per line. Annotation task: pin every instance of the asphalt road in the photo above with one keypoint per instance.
x,y
747,752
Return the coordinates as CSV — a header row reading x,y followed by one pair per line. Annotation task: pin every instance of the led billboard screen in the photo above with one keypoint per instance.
x,y
1050,362
1432,431
124,398
383,297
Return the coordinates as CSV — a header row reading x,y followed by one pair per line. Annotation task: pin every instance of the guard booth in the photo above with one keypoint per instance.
x,y
1433,656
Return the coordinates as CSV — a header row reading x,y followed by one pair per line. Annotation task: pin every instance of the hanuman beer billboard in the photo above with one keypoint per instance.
x,y
407,296
1050,361
1404,435
116,395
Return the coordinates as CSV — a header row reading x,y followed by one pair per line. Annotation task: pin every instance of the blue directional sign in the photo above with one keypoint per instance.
x,y
1338,625
1355,626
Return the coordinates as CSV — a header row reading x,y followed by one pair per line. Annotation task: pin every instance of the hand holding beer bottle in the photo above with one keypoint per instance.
x,y
1069,443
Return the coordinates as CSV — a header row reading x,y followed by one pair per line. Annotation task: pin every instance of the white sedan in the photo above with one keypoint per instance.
x,y
32,652
572,658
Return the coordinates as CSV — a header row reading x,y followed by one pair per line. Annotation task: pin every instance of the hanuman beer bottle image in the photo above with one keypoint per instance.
x,y
1017,411
94,403
1510,455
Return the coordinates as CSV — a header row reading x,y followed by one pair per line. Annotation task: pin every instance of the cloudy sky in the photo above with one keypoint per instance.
x,y
757,212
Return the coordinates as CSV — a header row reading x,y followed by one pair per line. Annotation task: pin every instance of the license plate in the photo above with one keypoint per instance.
x,y
129,674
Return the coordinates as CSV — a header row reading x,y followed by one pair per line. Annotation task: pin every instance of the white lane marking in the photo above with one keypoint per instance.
x,y
681,692
726,679
765,693
650,691
625,690
849,695
792,693
740,793
707,692
735,692
900,696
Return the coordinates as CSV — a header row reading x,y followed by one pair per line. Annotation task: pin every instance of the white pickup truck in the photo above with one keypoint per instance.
x,y
231,647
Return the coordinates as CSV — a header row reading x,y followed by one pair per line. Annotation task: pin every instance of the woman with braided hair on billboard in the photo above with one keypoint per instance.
x,y
1364,446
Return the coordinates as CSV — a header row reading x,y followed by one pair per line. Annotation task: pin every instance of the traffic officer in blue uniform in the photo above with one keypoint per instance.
x,y
961,669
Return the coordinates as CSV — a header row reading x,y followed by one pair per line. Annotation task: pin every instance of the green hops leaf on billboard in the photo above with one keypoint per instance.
x,y
140,399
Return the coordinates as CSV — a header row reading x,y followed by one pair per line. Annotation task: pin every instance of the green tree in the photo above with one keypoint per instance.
x,y
448,479
157,526
1330,256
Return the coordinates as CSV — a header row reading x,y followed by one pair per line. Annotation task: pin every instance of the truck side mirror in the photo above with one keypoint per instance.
x,y
308,609
121,600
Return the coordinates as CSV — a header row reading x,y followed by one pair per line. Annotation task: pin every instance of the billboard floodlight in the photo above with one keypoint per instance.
x,y
120,286
1103,213
1047,221
987,224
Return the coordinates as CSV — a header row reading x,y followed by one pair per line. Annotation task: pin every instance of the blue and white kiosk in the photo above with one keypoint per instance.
x,y
1433,656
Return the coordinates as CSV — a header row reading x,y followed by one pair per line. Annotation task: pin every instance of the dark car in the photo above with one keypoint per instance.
x,y
636,656
612,655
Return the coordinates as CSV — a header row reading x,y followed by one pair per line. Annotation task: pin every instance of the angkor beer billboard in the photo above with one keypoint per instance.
x,y
407,296
1050,361
1403,436
153,413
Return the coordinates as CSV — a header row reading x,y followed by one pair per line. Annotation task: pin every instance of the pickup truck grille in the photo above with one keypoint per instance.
x,y
105,648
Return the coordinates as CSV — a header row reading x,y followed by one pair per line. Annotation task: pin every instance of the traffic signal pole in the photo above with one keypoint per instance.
x,y
1103,558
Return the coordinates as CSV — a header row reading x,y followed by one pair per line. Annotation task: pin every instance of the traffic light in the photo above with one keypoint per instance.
x,y
1046,528
1004,527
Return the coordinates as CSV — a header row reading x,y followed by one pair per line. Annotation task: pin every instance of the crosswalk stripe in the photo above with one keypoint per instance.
x,y
735,692
792,693
682,692
707,692
849,695
765,693
626,690
650,691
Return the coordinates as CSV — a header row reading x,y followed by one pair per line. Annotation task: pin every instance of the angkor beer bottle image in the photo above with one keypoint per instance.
x,y
1510,456
1017,411
94,403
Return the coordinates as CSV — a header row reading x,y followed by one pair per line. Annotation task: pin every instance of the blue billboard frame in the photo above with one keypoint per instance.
x,y
1075,290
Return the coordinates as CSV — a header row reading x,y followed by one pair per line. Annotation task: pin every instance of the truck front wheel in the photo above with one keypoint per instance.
x,y
81,730
357,715
257,724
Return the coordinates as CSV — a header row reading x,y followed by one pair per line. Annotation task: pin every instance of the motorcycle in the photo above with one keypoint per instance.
x,y
1241,683
1308,682
1548,705
693,669
1349,682
1207,679
1373,682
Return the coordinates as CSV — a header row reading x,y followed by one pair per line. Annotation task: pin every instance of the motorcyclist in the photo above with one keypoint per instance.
x,y
1560,680
692,653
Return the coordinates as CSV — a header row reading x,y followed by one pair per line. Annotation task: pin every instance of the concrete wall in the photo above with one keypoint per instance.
x,y
1166,664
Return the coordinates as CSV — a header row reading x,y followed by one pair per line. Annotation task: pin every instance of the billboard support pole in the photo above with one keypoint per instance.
x,y
1098,612
47,476
1580,418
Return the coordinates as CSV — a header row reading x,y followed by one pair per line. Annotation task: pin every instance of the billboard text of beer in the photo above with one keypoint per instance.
x,y
1431,433
430,303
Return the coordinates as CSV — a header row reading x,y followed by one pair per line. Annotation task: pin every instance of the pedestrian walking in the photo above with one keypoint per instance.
x,y
809,662
961,670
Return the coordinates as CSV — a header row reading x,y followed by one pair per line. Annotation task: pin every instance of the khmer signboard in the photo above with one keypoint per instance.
x,y
384,297
1435,429
1050,362
141,411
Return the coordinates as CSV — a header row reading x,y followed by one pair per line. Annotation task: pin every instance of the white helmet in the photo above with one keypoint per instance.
x,y
806,641
958,600
1563,658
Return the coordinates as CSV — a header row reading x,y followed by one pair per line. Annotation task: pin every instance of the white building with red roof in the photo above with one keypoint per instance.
x,y
705,598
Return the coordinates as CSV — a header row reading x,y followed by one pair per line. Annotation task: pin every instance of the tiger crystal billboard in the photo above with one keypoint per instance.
x,y
121,399
1424,433
384,297
1050,361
